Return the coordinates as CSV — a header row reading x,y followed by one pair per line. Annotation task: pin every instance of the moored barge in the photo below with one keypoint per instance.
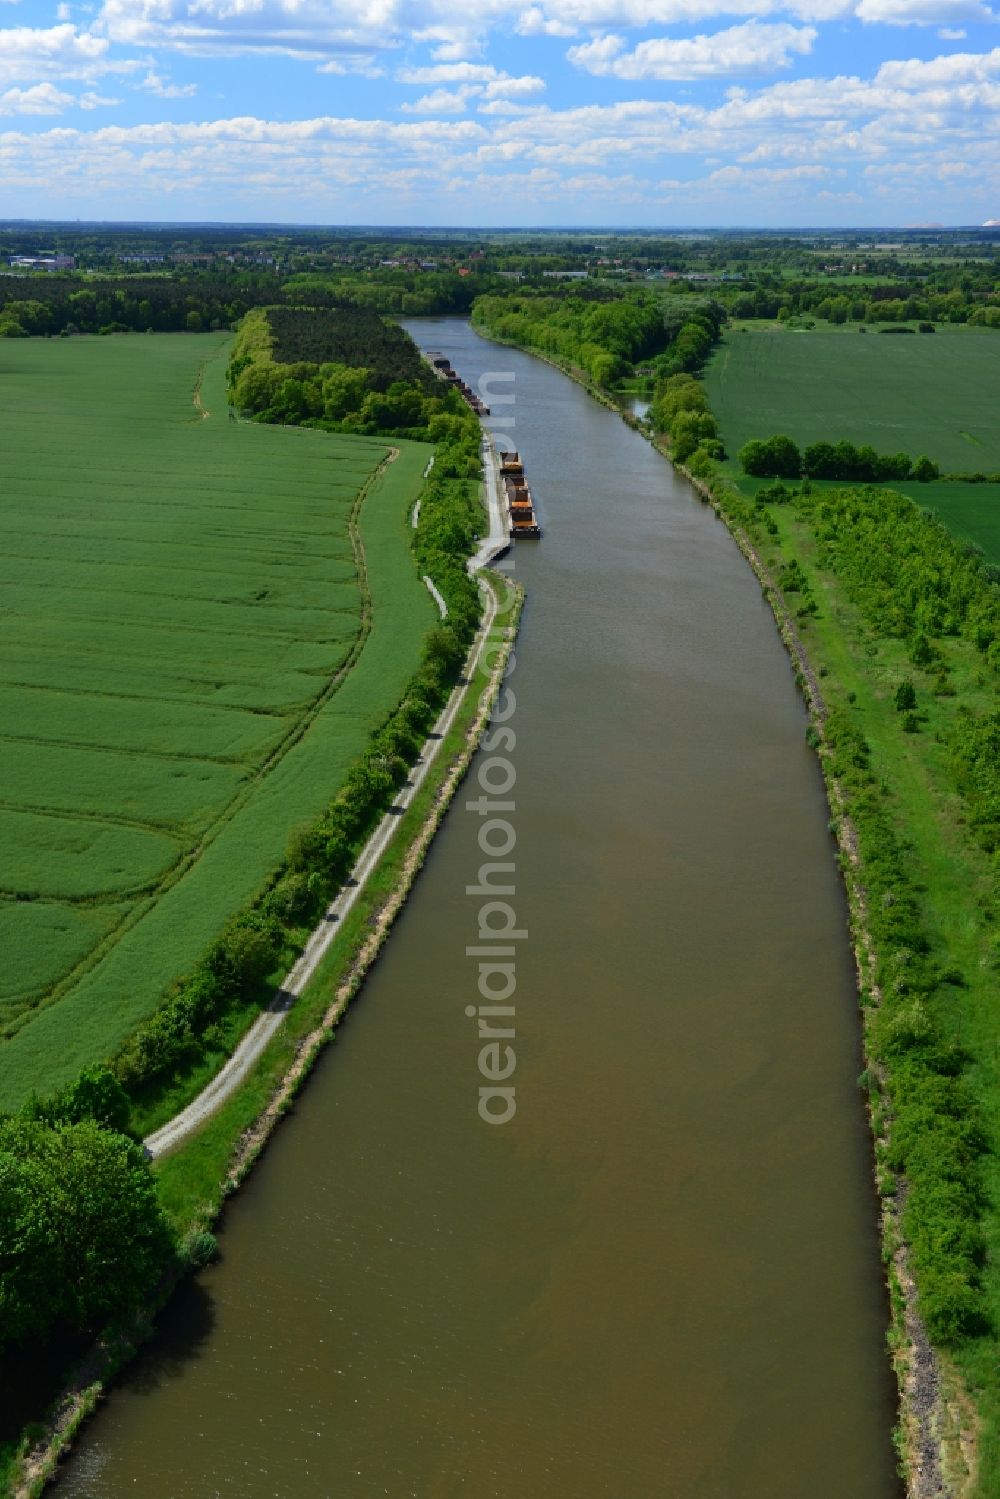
x,y
442,367
520,507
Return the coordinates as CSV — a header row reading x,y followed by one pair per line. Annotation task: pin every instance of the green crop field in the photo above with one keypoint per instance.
x,y
924,393
184,676
970,511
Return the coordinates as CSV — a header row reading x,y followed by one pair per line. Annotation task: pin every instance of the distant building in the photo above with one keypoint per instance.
x,y
44,262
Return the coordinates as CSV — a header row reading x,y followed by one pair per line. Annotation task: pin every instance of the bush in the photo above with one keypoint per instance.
x,y
96,1095
777,458
245,954
199,1249
83,1235
824,460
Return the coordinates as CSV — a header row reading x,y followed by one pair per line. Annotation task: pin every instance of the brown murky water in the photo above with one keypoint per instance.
x,y
661,1277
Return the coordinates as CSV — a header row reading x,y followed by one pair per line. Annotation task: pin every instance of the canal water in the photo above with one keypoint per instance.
x,y
660,1279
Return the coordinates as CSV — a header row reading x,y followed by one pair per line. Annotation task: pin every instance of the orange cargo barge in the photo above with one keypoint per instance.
x,y
523,521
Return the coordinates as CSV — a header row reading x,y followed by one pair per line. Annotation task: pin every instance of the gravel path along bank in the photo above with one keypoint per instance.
x,y
244,1058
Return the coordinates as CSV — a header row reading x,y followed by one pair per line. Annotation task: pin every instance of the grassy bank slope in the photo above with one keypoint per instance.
x,y
186,597
916,771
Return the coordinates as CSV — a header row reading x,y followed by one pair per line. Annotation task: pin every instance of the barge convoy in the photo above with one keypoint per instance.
x,y
520,507
454,379
523,521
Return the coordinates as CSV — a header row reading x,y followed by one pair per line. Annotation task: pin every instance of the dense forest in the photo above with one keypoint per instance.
x,y
606,337
341,369
352,336
65,305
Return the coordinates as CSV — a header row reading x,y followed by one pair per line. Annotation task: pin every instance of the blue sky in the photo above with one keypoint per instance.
x,y
502,112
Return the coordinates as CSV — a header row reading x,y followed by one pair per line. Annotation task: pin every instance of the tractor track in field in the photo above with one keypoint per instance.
x,y
298,729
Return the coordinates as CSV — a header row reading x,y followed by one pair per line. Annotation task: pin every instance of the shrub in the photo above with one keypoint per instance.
x,y
84,1237
777,458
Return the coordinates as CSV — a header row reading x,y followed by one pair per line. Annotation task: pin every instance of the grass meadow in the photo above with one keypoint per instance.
x,y
181,602
955,878
923,393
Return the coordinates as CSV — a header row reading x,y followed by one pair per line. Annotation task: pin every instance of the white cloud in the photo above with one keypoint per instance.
x,y
311,29
953,68
316,30
456,39
63,11
90,100
55,52
750,48
495,83
363,63
450,72
757,177
952,33
352,35
507,107
788,145
505,87
570,17
42,99
154,83
921,12
534,22
442,102
495,91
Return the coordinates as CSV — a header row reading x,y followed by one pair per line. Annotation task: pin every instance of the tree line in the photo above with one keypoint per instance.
x,y
780,458
971,297
63,305
608,332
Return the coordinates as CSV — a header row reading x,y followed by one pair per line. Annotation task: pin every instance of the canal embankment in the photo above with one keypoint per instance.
x,y
937,1426
581,1301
